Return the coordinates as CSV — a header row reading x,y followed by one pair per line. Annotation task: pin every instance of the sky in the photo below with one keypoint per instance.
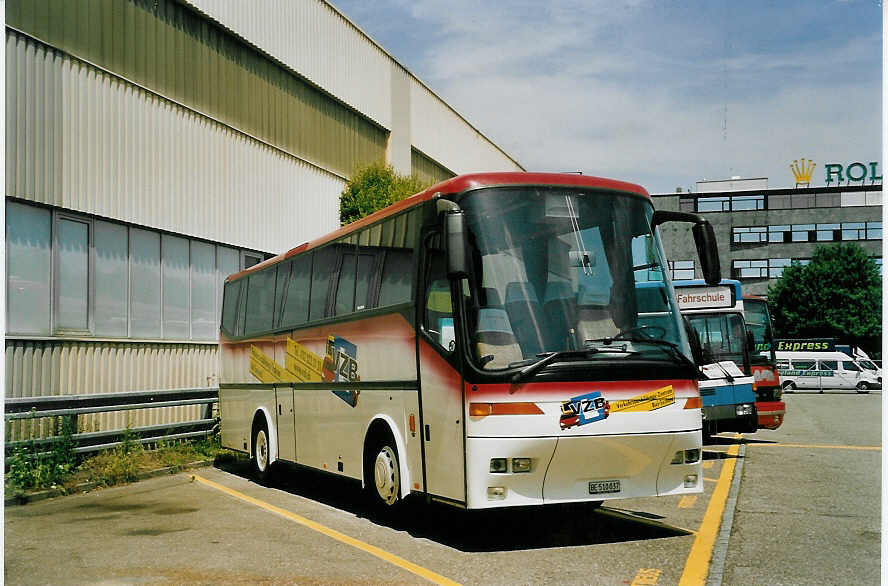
x,y
663,93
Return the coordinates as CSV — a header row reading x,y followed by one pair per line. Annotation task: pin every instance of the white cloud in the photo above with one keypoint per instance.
x,y
661,94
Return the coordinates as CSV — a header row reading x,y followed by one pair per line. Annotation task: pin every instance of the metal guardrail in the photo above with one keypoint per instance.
x,y
74,405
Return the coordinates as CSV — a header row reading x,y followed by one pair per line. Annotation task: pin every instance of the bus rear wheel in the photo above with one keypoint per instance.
x,y
260,454
382,476
862,387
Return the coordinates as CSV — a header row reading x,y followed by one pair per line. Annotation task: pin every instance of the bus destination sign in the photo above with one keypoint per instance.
x,y
704,297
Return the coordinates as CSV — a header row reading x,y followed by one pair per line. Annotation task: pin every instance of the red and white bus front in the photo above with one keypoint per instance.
x,y
578,378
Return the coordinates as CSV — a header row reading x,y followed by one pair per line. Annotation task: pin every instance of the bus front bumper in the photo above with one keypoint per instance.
x,y
770,414
581,468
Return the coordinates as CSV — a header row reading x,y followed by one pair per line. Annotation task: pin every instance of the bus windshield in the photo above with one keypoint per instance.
x,y
564,270
722,337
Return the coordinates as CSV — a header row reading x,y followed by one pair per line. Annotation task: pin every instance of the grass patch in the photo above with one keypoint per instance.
x,y
125,463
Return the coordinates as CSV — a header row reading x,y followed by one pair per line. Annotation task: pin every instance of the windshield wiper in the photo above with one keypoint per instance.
x,y
550,357
671,346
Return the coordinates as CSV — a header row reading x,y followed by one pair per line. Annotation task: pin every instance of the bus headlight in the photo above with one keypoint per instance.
x,y
498,465
744,409
520,464
691,456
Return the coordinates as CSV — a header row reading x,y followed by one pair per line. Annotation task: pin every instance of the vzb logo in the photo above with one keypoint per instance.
x,y
584,409
341,365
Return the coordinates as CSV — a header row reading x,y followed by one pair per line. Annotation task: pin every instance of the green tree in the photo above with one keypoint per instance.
x,y
372,188
837,295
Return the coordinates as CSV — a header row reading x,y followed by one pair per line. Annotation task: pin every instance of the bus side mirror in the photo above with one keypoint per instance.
x,y
454,235
707,250
704,239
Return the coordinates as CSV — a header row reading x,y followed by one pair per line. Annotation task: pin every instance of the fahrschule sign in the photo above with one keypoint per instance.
x,y
836,173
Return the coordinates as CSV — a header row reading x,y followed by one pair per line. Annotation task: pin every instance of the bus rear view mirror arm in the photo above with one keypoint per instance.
x,y
704,239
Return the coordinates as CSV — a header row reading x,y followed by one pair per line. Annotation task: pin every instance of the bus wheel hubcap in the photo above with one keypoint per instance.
x,y
261,450
385,472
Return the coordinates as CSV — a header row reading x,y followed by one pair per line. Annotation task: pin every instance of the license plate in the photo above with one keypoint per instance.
x,y
604,486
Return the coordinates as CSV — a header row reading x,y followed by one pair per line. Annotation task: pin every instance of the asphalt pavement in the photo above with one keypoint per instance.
x,y
807,512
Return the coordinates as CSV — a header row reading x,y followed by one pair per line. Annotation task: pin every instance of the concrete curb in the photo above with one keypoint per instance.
x,y
720,553
33,497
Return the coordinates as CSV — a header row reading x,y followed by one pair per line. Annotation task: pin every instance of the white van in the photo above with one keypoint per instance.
x,y
823,370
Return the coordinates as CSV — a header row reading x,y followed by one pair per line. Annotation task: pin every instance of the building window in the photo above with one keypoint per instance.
x,y
741,203
828,232
750,269
681,269
72,274
778,233
69,274
808,233
736,203
776,266
752,234
771,268
713,204
28,268
802,232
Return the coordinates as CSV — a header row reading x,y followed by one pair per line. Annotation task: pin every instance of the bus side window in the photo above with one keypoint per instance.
x,y
230,303
438,315
828,365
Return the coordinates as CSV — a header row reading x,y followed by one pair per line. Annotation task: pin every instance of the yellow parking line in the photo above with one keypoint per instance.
x,y
697,566
709,479
818,446
381,554
687,501
708,464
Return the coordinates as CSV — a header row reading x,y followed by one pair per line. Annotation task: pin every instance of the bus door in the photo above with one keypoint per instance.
x,y
440,381
286,422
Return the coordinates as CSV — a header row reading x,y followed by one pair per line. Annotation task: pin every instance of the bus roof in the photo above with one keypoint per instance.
x,y
455,185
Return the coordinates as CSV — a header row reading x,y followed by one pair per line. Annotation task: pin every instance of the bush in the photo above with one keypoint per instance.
x,y
375,187
29,468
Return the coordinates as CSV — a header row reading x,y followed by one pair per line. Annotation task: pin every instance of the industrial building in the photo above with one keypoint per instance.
x,y
154,147
761,231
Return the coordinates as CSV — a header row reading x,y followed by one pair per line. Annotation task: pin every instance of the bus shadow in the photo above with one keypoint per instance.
x,y
508,529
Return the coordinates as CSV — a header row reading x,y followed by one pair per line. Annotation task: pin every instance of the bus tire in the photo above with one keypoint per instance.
x,y
382,474
260,452
862,387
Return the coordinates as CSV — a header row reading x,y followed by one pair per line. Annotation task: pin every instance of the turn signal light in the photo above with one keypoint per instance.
x,y
694,403
484,409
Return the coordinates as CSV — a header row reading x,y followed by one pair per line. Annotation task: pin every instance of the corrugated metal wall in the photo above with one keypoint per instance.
x,y
321,44
428,170
44,368
170,49
314,39
83,139
442,135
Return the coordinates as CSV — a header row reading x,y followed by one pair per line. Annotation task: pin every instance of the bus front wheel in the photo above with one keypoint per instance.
x,y
383,475
260,456
862,387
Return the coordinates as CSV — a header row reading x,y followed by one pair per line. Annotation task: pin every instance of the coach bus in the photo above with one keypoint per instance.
x,y
769,403
726,385
478,344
